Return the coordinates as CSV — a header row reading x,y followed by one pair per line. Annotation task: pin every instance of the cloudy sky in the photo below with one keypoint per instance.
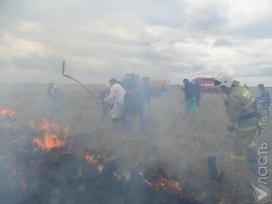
x,y
101,39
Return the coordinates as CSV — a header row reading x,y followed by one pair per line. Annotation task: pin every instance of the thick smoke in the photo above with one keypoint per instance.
x,y
95,165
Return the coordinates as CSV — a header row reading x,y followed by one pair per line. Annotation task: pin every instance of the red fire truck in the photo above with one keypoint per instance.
x,y
208,84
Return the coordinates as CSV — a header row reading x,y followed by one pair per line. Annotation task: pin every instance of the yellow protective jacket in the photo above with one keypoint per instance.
x,y
241,103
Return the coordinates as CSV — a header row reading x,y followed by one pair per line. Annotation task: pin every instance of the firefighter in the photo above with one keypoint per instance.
x,y
242,119
116,97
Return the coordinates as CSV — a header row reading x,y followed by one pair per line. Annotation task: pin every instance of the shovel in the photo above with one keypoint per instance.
x,y
212,165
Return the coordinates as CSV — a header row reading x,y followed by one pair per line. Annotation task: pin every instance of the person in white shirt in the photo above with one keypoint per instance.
x,y
116,97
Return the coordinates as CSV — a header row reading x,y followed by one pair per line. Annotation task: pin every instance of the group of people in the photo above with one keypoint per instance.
x,y
244,113
242,108
124,104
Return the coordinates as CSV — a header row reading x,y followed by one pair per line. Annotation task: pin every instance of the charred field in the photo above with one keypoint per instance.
x,y
52,153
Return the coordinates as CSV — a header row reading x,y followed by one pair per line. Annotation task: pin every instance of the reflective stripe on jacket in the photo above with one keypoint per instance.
x,y
241,103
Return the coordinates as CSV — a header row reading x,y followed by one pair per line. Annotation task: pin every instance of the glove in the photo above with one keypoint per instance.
x,y
230,128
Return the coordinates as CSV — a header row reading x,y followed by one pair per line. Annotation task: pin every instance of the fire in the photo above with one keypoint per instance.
x,y
94,160
6,113
47,126
90,158
163,183
50,132
49,142
9,112
169,184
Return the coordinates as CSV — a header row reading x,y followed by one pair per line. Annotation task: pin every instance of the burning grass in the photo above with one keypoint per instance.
x,y
168,166
71,173
9,112
49,135
6,113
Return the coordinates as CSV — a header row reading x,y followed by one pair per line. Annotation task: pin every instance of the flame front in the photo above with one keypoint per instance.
x,y
6,113
163,183
9,112
169,184
50,139
49,142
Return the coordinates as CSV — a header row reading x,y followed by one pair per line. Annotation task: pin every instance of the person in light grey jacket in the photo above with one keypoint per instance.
x,y
116,97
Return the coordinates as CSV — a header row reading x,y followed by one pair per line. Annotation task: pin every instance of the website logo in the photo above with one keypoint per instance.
x,y
262,194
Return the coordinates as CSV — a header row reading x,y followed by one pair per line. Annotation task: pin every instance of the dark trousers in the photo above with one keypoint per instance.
x,y
143,123
198,97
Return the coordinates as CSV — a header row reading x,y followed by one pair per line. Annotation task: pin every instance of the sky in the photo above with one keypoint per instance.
x,y
103,39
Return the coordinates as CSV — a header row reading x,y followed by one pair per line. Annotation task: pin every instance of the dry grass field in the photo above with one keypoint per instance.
x,y
177,144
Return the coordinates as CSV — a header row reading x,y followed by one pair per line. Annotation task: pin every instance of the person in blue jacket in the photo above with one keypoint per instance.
x,y
190,98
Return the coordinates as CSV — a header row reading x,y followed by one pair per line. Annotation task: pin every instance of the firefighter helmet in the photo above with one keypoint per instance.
x,y
223,80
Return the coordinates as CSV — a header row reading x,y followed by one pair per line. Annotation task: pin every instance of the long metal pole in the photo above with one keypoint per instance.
x,y
63,69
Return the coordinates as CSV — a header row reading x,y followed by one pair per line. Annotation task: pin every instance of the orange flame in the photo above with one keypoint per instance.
x,y
90,158
9,112
49,142
164,183
50,132
6,113
94,160
169,184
